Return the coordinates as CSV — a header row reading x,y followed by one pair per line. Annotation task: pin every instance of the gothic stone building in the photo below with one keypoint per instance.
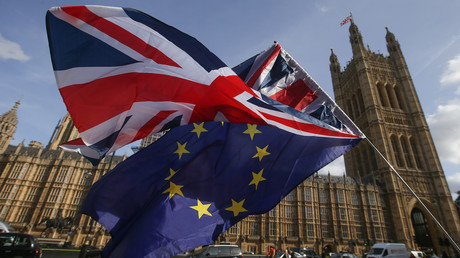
x,y
326,213
377,92
42,185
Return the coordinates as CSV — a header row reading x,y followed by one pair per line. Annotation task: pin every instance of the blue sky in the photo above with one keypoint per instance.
x,y
428,31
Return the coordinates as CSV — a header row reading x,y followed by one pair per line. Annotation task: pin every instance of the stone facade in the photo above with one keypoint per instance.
x,y
377,92
40,186
326,213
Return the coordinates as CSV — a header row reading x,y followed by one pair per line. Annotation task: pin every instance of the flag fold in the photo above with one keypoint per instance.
x,y
275,74
198,180
124,75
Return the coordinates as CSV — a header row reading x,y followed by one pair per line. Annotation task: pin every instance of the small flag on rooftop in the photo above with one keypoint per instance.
x,y
346,20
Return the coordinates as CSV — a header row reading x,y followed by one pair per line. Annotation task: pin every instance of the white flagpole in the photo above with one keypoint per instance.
x,y
451,240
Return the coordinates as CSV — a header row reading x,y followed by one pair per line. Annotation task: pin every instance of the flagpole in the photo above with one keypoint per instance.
x,y
451,240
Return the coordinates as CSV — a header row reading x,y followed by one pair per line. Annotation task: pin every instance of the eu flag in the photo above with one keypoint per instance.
x,y
198,180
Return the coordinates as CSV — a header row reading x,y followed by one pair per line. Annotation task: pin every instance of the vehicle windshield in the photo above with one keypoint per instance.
x,y
376,251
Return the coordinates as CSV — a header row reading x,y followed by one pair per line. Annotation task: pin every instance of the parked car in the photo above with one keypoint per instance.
x,y
295,253
417,254
19,245
310,253
298,252
305,252
344,255
221,251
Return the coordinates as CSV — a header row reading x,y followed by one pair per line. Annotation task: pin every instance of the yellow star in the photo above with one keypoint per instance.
x,y
198,129
181,149
201,208
256,178
261,153
252,130
236,207
171,173
174,189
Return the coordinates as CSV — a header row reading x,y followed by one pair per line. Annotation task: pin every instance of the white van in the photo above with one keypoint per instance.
x,y
388,250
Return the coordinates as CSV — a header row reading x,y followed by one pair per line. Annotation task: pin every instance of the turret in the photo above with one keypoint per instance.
x,y
394,50
412,104
335,65
336,70
64,132
356,40
8,125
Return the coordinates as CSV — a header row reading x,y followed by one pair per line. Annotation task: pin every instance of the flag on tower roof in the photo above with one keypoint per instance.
x,y
346,20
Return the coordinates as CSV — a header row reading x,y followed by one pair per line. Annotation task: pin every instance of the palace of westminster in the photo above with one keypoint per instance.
x,y
40,184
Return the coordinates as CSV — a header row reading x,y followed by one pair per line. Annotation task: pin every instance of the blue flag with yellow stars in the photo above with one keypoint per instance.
x,y
198,180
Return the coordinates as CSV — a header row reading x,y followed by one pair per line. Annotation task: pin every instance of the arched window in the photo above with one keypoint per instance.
x,y
416,153
420,225
399,97
366,160
388,89
355,106
397,154
359,163
381,95
393,97
350,109
372,158
407,156
361,101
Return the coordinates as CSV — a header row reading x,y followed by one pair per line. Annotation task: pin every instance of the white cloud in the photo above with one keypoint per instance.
x,y
11,50
322,8
454,184
452,74
445,129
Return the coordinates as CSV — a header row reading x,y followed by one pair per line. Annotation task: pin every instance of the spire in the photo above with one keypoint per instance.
x,y
392,44
390,37
8,124
356,40
11,116
333,57
334,65
65,131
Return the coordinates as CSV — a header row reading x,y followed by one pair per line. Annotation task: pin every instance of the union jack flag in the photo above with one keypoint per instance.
x,y
275,74
349,18
124,75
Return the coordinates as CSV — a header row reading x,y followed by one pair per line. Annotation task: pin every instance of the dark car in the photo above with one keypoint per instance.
x,y
19,245
221,251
